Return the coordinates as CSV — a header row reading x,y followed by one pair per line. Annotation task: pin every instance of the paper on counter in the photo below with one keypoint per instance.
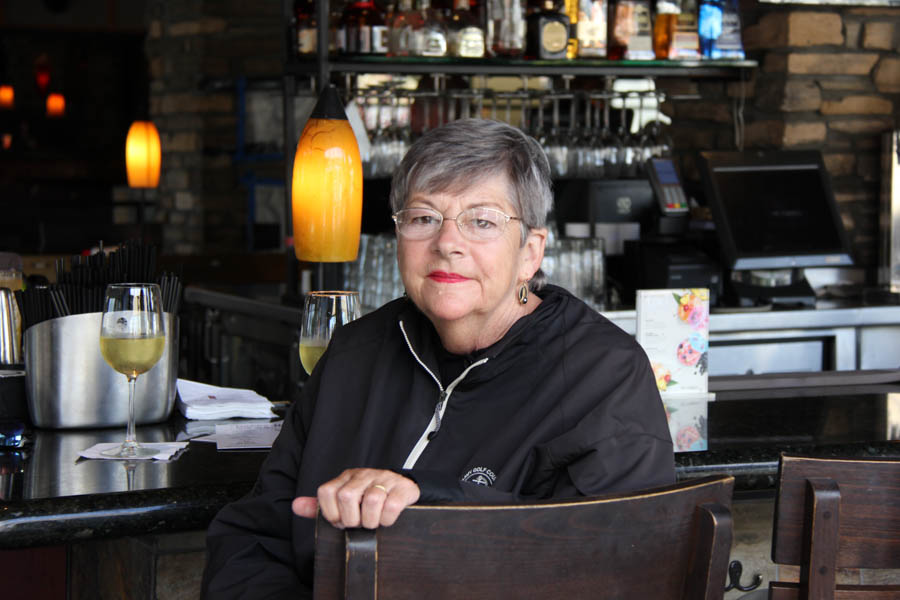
x,y
243,436
166,450
203,401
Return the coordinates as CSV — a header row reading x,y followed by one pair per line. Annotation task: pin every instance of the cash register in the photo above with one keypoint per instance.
x,y
775,215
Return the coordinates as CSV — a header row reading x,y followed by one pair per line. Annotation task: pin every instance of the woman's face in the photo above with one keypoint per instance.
x,y
452,278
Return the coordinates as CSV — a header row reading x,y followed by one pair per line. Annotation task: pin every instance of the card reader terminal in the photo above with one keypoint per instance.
x,y
666,186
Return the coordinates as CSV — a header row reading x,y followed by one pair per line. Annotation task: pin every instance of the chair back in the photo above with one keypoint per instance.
x,y
667,543
832,514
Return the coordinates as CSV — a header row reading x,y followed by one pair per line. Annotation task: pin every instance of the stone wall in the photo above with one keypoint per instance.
x,y
828,80
197,50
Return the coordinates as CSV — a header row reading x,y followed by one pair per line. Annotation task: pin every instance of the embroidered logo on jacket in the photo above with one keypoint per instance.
x,y
480,476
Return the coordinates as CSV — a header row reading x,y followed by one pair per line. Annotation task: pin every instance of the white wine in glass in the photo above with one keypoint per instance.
x,y
132,340
323,312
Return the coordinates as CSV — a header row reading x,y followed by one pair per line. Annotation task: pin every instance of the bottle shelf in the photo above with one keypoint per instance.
x,y
493,66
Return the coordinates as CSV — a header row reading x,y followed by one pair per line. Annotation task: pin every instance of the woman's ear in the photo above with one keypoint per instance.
x,y
533,253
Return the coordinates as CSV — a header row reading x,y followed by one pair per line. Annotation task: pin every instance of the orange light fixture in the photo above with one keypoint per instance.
x,y
142,155
326,190
7,96
56,105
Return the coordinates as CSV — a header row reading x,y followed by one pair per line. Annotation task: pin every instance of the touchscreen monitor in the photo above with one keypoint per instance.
x,y
774,210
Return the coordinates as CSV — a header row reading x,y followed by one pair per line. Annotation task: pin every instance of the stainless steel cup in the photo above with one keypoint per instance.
x,y
70,385
10,348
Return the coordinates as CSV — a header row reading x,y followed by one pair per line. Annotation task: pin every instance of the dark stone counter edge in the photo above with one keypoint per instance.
x,y
54,521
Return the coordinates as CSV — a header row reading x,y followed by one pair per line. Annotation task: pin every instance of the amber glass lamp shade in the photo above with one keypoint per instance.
x,y
56,105
326,192
7,97
142,155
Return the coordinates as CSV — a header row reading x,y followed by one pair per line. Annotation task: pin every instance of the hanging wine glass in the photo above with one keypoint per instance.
x,y
629,147
611,144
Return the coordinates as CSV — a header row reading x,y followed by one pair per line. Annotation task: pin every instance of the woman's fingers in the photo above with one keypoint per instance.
x,y
305,506
403,494
365,498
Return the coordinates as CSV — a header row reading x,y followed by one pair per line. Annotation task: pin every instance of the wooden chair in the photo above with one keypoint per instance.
x,y
664,543
832,514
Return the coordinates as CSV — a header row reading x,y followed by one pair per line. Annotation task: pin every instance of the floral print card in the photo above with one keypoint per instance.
x,y
673,329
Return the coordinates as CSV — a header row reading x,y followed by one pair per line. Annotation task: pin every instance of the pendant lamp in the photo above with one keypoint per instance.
x,y
7,96
56,105
326,191
142,155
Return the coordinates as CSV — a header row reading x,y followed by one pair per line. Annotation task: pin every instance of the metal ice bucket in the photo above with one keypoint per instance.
x,y
69,385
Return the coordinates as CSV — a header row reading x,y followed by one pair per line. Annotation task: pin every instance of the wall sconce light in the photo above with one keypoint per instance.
x,y
7,97
56,105
142,155
326,191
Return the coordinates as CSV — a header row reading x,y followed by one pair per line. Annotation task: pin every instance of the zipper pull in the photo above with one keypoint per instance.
x,y
437,416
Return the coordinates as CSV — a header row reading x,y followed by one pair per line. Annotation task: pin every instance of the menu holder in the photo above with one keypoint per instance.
x,y
673,330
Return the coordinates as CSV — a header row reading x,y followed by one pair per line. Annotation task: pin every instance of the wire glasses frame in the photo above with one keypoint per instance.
x,y
477,224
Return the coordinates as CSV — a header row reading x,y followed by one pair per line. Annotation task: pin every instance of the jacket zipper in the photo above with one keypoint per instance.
x,y
435,424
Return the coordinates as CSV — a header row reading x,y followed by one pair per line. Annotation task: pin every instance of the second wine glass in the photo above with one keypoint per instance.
x,y
323,312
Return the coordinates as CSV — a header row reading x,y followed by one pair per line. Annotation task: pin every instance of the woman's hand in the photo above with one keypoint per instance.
x,y
360,498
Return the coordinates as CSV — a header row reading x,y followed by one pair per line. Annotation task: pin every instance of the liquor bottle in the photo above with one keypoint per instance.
x,y
305,26
572,13
664,28
400,29
464,37
547,33
621,28
429,33
709,25
640,44
686,40
728,44
364,28
591,28
505,35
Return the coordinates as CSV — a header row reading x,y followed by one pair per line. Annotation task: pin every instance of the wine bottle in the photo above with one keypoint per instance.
x,y
591,28
305,26
465,37
505,35
364,28
664,28
547,33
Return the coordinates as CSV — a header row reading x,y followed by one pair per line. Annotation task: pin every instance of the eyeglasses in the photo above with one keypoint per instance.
x,y
477,224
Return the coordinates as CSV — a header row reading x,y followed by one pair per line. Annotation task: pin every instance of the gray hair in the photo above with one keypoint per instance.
x,y
462,153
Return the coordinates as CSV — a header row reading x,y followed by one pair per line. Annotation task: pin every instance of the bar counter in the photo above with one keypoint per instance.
x,y
50,497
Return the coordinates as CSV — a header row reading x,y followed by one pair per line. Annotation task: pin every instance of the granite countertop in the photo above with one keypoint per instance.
x,y
749,429
48,496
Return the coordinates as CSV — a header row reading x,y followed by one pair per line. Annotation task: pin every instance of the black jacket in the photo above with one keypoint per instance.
x,y
564,405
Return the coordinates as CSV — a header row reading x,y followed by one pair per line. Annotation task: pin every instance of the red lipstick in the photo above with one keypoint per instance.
x,y
444,277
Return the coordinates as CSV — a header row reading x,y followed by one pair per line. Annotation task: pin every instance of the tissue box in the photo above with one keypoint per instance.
x,y
69,385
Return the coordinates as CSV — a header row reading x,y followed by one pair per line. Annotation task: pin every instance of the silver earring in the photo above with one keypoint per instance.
x,y
523,293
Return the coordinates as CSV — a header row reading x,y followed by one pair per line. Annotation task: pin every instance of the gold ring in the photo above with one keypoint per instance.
x,y
380,487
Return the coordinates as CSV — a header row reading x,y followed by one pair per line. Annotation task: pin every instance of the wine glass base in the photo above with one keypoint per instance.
x,y
126,451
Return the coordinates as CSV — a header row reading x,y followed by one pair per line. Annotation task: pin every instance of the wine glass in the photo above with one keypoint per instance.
x,y
132,340
323,312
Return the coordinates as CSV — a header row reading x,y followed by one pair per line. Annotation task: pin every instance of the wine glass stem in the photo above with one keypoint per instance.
x,y
130,441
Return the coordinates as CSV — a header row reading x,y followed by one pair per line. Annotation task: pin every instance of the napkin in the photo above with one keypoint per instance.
x,y
203,401
166,450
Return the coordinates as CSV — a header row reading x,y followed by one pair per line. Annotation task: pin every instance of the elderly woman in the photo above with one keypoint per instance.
x,y
481,384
